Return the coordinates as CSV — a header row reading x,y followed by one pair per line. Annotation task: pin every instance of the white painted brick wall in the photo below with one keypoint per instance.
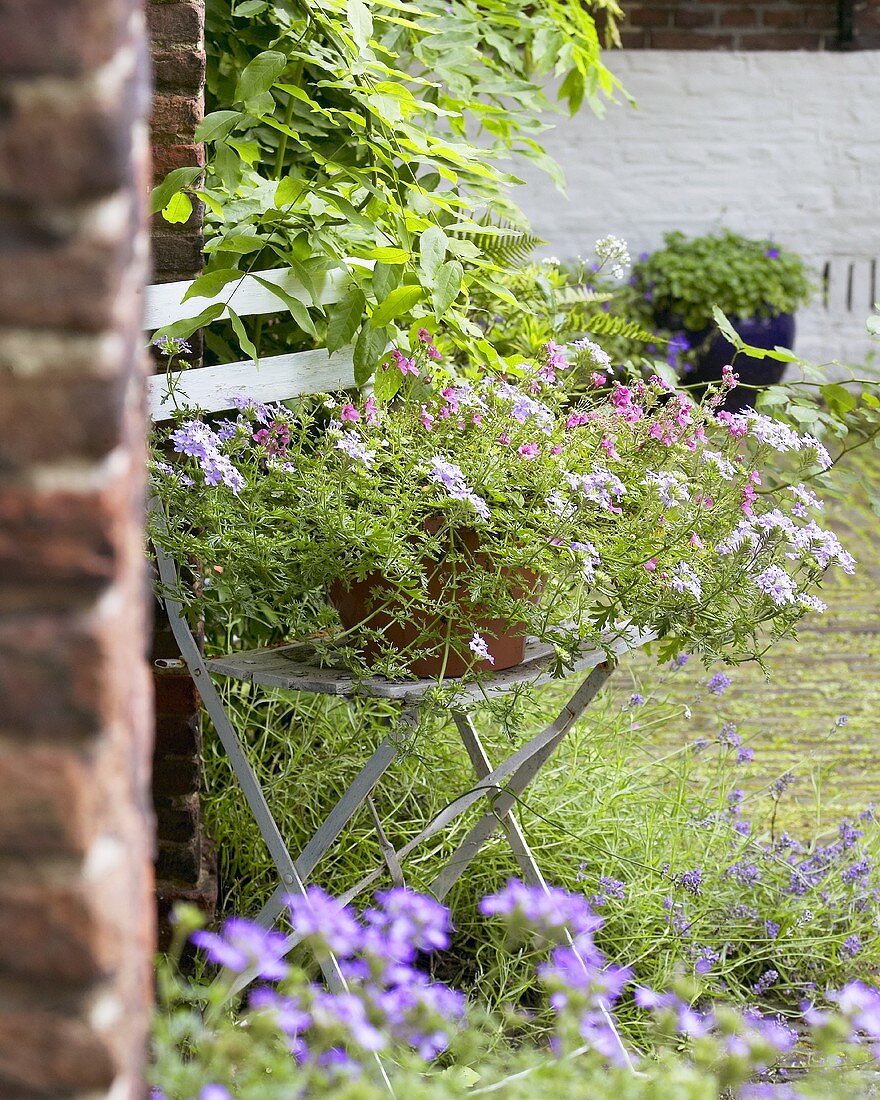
x,y
785,145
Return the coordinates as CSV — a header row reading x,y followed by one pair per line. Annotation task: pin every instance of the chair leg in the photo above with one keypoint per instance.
x,y
503,798
526,761
531,872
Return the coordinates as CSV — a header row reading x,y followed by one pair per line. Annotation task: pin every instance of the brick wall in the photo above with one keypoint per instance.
x,y
185,868
732,24
76,919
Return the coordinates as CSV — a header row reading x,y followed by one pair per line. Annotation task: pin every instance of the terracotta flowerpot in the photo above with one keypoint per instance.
x,y
372,602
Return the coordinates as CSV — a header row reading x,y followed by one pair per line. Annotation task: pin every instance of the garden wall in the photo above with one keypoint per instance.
x,y
785,145
76,913
735,24
185,861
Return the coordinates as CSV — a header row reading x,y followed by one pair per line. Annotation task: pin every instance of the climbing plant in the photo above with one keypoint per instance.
x,y
381,137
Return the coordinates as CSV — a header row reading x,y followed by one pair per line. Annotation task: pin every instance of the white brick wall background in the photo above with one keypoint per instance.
x,y
785,145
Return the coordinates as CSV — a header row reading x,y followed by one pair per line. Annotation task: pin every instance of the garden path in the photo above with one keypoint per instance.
x,y
831,669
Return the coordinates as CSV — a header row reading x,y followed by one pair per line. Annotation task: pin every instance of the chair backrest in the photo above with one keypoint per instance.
x,y
275,378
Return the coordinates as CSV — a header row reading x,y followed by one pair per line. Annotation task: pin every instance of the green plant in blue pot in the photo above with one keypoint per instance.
x,y
756,283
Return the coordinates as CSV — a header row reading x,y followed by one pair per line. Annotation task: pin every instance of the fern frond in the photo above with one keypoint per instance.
x,y
579,295
606,324
502,243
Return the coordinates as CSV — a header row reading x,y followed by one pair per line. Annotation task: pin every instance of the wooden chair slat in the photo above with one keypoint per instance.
x,y
248,297
276,378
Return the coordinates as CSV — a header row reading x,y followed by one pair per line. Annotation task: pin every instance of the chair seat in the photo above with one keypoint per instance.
x,y
295,667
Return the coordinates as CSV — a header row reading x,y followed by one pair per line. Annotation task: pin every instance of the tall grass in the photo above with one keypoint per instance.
x,y
658,841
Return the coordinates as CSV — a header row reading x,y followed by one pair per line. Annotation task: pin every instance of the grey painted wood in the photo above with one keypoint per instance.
x,y
482,766
277,378
503,798
164,301
293,667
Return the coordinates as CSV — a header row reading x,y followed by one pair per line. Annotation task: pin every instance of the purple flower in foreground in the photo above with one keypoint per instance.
x,y
287,1012
547,911
253,408
636,699
852,945
451,478
244,945
414,921
198,441
348,1012
729,736
215,1092
323,920
172,345
692,881
772,254
706,959
480,648
719,683
351,445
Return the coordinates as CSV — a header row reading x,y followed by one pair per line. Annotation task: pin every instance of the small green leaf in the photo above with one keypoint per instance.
x,y
212,282
727,329
345,317
371,342
386,383
181,177
217,125
259,76
248,8
188,325
447,286
178,209
361,22
389,255
432,250
399,301
838,398
385,278
247,345
298,310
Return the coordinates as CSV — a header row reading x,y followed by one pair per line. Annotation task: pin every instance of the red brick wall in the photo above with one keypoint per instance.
x,y
185,868
732,24
76,914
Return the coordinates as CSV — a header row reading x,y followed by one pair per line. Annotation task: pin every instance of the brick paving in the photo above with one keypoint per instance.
x,y
831,669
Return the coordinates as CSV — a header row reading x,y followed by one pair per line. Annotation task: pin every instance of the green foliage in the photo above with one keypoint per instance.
x,y
340,130
608,805
742,277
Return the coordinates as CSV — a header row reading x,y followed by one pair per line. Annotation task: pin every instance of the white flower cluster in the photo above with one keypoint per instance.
x,y
613,253
670,488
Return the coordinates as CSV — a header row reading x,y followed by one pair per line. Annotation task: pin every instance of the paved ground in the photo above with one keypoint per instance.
x,y
832,669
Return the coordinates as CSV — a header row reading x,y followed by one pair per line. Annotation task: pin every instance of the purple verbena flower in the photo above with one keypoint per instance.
x,y
480,648
324,921
546,911
244,945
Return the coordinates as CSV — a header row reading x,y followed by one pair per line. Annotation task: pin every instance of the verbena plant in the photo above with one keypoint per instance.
x,y
685,279
378,133
500,499
394,1032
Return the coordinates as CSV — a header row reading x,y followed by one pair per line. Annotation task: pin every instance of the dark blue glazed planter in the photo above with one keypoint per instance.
x,y
713,353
